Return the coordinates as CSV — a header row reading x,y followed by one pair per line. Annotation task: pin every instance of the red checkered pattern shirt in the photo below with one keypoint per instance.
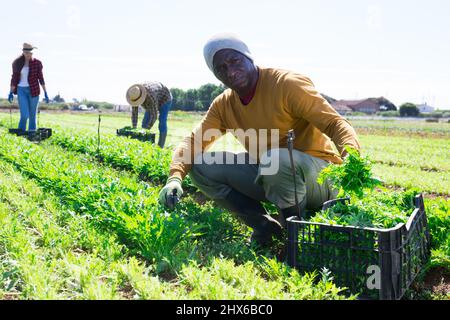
x,y
35,77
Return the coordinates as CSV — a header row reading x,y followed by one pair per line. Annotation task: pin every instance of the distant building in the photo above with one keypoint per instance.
x,y
369,105
328,98
424,108
122,108
126,108
341,108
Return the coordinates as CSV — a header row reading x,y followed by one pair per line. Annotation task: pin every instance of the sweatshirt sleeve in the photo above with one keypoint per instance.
x,y
304,101
207,131
41,75
15,77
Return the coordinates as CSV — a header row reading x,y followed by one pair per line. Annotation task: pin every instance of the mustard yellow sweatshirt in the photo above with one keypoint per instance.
x,y
283,100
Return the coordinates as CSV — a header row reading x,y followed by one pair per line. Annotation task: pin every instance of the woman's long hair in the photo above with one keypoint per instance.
x,y
18,63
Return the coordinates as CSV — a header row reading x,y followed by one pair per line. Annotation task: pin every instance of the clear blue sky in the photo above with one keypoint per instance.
x,y
349,48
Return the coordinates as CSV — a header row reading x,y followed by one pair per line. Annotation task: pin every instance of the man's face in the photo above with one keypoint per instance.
x,y
233,69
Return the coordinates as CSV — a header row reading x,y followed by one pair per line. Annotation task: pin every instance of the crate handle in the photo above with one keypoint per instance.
x,y
330,203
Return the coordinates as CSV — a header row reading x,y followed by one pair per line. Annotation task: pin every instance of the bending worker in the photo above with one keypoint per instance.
x,y
154,97
261,99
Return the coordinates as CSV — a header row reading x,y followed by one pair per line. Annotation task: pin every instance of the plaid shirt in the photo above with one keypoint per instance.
x,y
35,77
157,96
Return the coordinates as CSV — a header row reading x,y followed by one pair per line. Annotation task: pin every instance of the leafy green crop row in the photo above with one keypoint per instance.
x,y
407,177
47,252
382,210
402,127
149,162
425,154
438,213
131,153
394,166
117,201
152,164
120,205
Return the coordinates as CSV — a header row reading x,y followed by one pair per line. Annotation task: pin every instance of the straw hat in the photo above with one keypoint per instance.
x,y
28,47
136,95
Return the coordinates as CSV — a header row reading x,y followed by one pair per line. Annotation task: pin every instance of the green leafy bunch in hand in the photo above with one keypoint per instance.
x,y
353,177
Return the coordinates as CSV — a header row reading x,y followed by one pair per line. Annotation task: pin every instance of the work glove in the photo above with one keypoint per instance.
x,y
11,97
47,100
170,194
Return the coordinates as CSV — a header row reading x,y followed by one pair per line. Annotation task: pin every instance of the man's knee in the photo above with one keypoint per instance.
x,y
276,172
219,169
281,158
206,167
198,168
278,162
208,178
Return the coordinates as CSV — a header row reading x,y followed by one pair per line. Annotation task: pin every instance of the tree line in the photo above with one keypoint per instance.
x,y
195,99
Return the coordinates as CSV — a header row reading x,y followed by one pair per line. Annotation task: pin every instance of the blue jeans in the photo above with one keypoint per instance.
x,y
28,106
163,113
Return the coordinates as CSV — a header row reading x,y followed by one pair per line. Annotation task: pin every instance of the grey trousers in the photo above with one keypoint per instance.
x,y
216,180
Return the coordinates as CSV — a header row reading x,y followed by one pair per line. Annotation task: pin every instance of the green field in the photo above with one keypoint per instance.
x,y
78,224
400,161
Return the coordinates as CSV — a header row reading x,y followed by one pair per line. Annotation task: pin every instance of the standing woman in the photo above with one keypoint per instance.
x,y
26,77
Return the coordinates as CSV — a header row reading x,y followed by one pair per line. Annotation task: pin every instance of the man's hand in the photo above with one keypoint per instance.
x,y
47,100
345,154
11,97
173,185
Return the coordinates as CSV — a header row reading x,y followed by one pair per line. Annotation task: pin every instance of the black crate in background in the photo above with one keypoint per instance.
x,y
355,255
18,132
45,132
141,136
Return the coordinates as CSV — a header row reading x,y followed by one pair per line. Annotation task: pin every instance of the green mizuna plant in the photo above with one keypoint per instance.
x,y
377,210
353,177
355,180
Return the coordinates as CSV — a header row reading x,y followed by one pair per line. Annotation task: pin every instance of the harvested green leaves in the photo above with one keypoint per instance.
x,y
353,177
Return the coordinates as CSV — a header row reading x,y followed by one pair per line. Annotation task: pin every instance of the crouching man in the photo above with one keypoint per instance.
x,y
268,102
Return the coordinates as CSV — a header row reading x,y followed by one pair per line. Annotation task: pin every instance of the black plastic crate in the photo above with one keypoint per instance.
x,y
39,135
18,132
374,263
45,132
36,136
135,134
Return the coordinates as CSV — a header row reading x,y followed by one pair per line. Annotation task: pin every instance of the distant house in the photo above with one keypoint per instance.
x,y
424,108
369,106
341,108
125,108
122,108
328,98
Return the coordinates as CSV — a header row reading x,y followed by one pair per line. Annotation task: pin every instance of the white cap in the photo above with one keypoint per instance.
x,y
224,41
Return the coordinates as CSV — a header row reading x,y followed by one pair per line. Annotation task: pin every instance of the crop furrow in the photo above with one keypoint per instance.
x,y
119,203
